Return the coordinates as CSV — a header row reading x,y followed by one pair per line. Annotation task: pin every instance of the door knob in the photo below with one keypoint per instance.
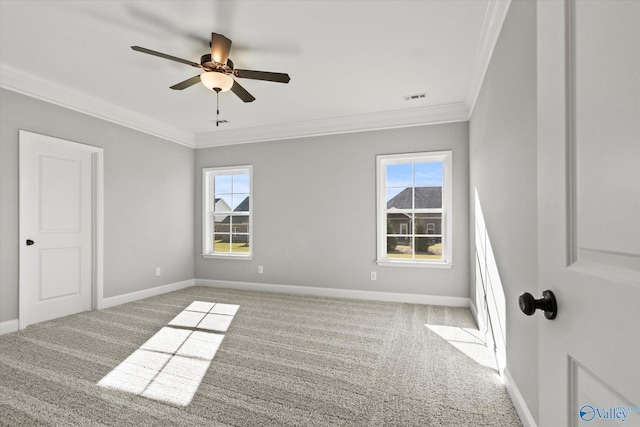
x,y
529,305
30,242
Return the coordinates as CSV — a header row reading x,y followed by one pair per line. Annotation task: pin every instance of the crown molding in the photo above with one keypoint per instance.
x,y
337,125
27,84
494,17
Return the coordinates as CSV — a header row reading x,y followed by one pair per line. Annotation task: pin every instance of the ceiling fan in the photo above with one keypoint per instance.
x,y
218,69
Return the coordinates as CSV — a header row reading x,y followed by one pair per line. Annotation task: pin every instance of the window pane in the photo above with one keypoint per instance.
x,y
399,175
399,198
240,243
221,243
239,224
428,223
222,203
398,223
399,247
241,183
223,226
222,184
428,247
231,243
428,197
241,202
428,174
392,193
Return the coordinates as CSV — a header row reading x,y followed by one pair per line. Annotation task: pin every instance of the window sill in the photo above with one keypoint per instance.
x,y
418,264
229,257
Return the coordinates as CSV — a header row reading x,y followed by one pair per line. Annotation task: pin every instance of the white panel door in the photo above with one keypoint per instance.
x,y
56,228
589,211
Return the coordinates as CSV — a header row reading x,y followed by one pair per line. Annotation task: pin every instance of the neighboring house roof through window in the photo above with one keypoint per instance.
x,y
426,198
242,207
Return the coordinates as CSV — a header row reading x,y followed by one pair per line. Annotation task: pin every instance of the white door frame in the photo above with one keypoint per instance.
x,y
97,217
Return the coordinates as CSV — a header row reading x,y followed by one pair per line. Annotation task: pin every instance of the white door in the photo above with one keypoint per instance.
x,y
56,228
589,211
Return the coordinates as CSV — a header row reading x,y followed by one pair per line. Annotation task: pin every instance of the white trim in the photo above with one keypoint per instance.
x,y
9,326
98,228
207,231
337,293
382,160
97,217
518,401
415,264
232,257
146,293
438,114
474,311
23,82
494,17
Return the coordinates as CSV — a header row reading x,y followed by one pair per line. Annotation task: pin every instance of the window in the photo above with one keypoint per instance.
x,y
414,209
227,218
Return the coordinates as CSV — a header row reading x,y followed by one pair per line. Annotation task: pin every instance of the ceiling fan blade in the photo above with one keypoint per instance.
x,y
262,75
165,56
242,92
187,83
220,46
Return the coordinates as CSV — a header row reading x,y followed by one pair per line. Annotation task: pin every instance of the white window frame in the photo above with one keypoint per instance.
x,y
208,198
446,157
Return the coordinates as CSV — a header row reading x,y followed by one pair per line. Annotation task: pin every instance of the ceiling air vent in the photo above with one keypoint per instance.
x,y
415,96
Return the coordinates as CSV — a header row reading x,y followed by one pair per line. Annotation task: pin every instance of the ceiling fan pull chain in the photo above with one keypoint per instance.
x,y
217,108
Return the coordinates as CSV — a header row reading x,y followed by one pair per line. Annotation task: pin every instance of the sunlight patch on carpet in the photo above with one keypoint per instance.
x,y
171,364
469,341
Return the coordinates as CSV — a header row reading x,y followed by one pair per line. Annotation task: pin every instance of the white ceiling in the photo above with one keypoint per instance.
x,y
351,62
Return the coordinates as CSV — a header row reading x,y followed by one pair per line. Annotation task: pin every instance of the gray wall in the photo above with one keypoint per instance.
x,y
503,161
315,211
148,198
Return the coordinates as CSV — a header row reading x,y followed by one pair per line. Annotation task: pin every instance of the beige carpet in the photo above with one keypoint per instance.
x,y
286,360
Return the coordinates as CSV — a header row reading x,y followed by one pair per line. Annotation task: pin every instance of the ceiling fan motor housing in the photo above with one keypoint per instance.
x,y
207,62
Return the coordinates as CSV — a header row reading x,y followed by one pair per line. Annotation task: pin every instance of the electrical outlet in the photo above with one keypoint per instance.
x,y
374,275
157,271
260,269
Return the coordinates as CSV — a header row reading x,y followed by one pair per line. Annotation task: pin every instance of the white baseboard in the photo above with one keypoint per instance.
x,y
9,326
138,295
337,293
13,325
518,401
474,311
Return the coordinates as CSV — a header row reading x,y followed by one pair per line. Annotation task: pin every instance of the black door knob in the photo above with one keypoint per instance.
x,y
529,305
30,242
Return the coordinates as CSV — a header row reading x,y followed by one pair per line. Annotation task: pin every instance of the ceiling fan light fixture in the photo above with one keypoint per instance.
x,y
215,80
